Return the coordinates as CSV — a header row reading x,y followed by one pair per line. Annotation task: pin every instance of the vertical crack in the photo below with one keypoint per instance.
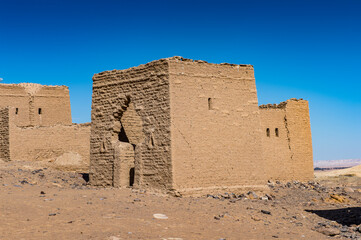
x,y
288,136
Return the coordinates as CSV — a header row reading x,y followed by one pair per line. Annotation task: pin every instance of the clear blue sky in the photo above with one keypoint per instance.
x,y
302,49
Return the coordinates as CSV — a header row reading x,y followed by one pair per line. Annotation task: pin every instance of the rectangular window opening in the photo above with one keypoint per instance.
x,y
39,111
16,111
268,132
276,132
131,177
210,104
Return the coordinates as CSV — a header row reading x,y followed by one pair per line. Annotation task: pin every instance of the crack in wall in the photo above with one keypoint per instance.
x,y
288,136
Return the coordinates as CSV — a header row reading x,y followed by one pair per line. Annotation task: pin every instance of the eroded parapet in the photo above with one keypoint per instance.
x,y
287,141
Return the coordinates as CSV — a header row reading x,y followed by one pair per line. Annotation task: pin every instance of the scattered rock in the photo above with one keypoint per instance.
x,y
24,182
36,171
52,214
264,198
338,198
348,190
217,217
114,238
252,195
266,212
328,231
160,216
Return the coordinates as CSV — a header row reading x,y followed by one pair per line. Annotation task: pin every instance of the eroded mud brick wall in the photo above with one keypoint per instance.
x,y
37,105
287,142
298,124
216,138
4,135
40,143
142,93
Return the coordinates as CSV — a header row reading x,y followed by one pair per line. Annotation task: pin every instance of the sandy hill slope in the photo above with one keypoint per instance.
x,y
354,171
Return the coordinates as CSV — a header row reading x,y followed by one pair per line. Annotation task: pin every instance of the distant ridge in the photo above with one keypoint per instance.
x,y
344,163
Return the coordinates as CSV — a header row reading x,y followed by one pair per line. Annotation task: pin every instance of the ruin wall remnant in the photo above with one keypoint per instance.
x,y
38,126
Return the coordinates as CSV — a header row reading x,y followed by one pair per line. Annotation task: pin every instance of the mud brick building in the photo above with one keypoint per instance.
x,y
36,125
187,126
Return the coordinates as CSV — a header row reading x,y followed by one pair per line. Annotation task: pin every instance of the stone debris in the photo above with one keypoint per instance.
x,y
159,216
329,231
266,212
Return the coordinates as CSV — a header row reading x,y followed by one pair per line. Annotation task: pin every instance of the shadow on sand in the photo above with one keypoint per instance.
x,y
344,216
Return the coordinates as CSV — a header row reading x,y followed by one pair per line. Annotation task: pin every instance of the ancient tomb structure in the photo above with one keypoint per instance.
x,y
183,126
36,125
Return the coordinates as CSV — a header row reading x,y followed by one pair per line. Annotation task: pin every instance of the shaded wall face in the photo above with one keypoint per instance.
x,y
115,93
4,135
37,105
215,127
276,149
288,156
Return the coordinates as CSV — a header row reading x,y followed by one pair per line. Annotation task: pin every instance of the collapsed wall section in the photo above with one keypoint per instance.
x,y
215,127
132,106
65,146
286,139
4,135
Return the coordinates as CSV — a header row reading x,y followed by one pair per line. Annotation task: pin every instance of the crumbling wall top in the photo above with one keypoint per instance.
x,y
99,76
281,105
32,88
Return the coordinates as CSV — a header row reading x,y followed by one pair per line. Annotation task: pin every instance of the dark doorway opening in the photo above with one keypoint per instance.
x,y
85,176
123,136
131,177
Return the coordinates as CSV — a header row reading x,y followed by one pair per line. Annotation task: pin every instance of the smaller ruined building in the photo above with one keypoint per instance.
x,y
36,125
185,126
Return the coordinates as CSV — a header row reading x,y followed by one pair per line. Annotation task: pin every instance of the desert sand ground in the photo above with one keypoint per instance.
x,y
38,202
